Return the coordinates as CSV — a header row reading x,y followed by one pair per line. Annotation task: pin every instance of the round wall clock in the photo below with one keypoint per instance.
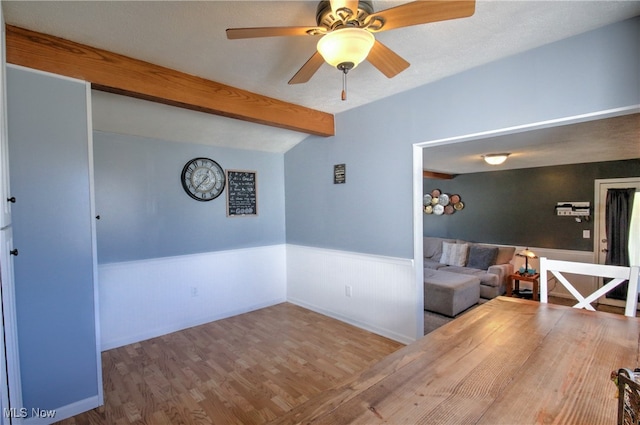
x,y
203,179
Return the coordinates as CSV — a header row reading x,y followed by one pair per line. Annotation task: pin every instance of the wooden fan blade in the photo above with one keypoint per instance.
x,y
236,33
386,60
305,73
423,12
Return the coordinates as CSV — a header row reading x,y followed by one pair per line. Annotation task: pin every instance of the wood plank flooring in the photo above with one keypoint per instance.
x,y
247,369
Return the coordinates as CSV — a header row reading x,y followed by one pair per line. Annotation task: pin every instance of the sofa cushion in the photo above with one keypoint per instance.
x,y
432,247
433,264
488,279
450,293
489,292
485,277
454,254
481,257
460,270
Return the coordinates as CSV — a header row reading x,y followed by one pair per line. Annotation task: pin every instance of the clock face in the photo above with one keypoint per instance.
x,y
203,179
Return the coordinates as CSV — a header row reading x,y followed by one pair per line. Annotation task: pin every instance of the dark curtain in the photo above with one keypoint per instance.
x,y
618,222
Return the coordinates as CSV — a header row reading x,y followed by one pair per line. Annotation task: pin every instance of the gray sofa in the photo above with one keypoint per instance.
x,y
489,263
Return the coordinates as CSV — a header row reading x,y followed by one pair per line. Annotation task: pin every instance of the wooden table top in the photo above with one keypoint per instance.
x,y
509,361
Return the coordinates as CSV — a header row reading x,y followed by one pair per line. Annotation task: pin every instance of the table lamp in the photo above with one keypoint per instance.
x,y
526,253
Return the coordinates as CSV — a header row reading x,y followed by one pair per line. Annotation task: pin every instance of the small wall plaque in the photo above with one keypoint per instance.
x,y
339,173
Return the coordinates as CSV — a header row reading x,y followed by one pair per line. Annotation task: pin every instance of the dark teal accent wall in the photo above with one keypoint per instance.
x,y
517,207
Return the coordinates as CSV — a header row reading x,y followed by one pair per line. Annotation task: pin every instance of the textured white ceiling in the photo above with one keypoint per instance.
x,y
604,139
190,36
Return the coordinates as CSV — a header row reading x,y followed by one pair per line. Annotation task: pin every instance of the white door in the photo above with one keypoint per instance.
x,y
601,245
10,386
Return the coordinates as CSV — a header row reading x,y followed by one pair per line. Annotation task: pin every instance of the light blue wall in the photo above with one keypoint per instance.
x,y
372,212
54,292
145,213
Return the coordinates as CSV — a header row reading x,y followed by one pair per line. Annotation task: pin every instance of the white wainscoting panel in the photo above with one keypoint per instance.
x,y
144,299
382,290
584,284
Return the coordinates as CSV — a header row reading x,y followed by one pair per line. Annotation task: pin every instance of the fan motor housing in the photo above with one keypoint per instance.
x,y
326,18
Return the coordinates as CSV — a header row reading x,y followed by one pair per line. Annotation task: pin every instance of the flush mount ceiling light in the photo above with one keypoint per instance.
x,y
495,158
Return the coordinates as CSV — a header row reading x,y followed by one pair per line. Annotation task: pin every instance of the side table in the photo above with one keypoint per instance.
x,y
514,281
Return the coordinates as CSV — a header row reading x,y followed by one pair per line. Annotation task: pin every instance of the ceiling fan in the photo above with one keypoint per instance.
x,y
347,28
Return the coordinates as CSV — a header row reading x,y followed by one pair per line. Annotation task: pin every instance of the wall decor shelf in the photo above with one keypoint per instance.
x,y
573,209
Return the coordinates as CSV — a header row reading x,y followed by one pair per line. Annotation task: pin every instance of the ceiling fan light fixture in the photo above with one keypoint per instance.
x,y
495,158
346,46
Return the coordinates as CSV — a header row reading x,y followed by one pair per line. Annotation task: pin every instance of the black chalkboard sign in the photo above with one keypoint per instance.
x,y
241,193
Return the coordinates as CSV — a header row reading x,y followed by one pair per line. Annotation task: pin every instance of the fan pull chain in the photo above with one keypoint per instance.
x,y
345,67
344,85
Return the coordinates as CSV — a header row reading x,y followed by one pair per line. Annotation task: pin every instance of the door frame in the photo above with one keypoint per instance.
x,y
598,211
418,165
10,382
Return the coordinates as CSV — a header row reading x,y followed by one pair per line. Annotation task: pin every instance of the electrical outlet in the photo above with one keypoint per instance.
x,y
194,291
586,234
348,290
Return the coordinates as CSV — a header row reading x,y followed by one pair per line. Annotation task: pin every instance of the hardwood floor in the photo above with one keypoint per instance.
x,y
247,369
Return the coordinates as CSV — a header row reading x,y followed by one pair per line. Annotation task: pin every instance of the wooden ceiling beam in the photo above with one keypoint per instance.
x,y
120,74
435,175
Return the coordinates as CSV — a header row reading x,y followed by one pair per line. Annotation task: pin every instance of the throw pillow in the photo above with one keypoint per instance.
x,y
481,257
454,254
505,253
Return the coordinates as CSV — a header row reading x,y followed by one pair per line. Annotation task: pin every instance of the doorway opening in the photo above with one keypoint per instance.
x,y
420,161
601,242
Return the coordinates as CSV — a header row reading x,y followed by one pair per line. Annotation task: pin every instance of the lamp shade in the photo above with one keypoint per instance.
x,y
495,158
346,46
527,253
